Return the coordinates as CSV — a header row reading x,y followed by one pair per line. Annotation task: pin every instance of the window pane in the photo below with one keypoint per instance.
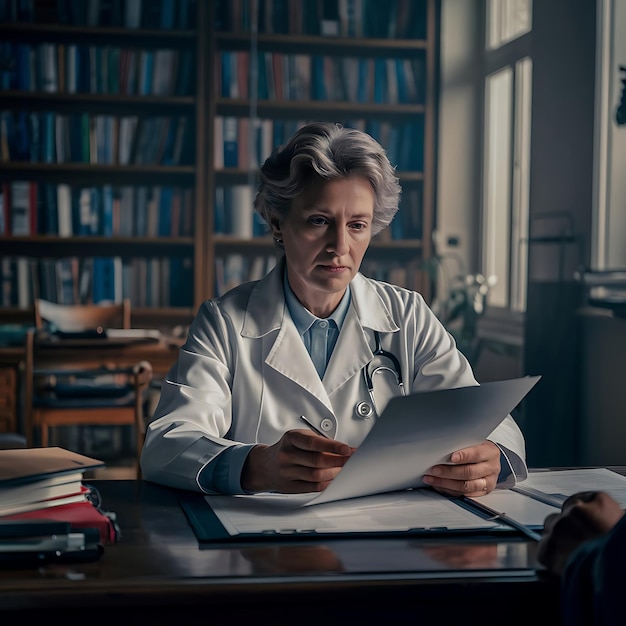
x,y
497,183
521,183
507,20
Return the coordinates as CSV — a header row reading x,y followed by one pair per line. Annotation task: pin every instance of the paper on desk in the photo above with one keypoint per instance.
x,y
527,511
420,430
388,512
557,485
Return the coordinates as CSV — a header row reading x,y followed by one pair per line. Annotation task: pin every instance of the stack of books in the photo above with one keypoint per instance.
x,y
41,493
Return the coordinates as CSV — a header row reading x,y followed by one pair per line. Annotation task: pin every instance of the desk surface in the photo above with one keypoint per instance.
x,y
157,572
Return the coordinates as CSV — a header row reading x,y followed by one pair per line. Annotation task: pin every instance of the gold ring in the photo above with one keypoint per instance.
x,y
485,487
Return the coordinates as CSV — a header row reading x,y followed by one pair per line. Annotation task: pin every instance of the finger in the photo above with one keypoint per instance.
x,y
472,488
466,471
475,454
578,498
315,477
306,440
598,515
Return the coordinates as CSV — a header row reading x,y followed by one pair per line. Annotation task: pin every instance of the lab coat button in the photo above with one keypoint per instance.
x,y
363,409
326,425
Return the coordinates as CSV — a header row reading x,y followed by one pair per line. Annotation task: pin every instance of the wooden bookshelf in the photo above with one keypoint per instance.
x,y
200,43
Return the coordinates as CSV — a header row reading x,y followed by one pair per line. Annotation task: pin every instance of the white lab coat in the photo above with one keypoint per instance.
x,y
245,376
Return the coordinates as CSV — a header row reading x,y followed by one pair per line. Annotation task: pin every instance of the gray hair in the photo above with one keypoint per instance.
x,y
324,151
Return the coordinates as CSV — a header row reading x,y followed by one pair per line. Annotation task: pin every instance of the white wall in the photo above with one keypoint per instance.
x,y
459,131
609,247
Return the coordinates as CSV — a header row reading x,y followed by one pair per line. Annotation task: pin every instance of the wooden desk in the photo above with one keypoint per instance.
x,y
158,574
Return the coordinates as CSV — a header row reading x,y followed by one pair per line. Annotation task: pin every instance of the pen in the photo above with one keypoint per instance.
x,y
313,427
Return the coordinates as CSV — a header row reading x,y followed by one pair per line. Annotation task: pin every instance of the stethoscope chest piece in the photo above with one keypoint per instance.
x,y
364,410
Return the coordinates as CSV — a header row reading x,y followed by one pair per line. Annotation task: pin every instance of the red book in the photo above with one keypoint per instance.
x,y
78,514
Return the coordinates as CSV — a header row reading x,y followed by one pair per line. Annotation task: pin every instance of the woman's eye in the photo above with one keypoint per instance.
x,y
317,220
358,226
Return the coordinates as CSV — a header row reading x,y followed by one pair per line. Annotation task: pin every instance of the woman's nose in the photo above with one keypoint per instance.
x,y
338,242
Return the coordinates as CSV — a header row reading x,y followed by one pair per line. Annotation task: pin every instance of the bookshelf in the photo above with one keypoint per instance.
x,y
120,128
362,63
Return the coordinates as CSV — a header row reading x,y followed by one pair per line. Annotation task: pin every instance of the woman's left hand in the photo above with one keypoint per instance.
x,y
473,471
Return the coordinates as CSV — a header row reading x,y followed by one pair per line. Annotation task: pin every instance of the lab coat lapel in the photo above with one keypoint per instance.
x,y
289,356
286,353
352,352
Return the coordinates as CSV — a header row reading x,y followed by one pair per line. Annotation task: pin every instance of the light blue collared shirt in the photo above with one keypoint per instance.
x,y
223,474
319,335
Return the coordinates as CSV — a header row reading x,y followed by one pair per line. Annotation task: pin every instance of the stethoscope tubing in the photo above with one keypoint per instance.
x,y
364,409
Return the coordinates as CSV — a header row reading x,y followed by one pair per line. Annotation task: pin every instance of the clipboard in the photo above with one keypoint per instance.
x,y
209,528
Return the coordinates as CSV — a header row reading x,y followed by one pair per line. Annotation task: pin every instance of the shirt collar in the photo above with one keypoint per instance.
x,y
303,318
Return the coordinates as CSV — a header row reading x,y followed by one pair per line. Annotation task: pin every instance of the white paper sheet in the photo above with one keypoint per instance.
x,y
395,512
559,484
527,511
420,430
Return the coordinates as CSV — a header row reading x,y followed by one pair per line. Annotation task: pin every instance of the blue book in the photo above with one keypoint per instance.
x,y
23,73
362,89
229,134
147,69
263,88
184,73
6,52
219,212
184,14
403,94
141,211
380,80
48,137
50,215
83,70
167,14
226,74
22,137
107,211
181,281
318,86
103,279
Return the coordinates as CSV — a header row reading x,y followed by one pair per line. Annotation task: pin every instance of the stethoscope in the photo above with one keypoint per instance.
x,y
367,409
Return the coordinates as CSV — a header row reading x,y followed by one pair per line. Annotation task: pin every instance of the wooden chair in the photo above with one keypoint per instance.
x,y
75,318
61,391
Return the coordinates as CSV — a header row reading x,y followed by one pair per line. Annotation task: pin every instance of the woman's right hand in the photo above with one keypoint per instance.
x,y
299,462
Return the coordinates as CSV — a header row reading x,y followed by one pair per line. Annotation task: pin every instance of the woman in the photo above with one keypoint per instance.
x,y
293,346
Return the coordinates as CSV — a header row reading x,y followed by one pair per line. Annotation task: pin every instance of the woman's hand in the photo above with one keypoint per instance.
x,y
584,516
474,471
299,462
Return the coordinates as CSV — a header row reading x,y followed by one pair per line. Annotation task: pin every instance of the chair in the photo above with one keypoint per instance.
x,y
80,317
78,386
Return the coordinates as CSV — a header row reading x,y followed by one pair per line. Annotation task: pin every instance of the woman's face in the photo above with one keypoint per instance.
x,y
326,235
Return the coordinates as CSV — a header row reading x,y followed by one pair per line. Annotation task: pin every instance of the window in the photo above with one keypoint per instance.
x,y
506,151
507,20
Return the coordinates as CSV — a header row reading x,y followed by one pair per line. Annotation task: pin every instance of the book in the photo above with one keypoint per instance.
x,y
23,197
79,515
80,495
23,466
54,486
